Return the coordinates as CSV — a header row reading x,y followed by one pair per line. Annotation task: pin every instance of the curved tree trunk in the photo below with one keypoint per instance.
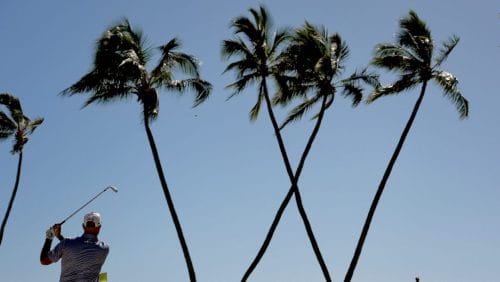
x,y
381,186
293,189
170,202
13,196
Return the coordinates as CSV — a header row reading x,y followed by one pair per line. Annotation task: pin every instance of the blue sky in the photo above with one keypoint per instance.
x,y
439,217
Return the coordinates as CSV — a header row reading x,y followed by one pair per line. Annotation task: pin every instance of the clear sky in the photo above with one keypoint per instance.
x,y
439,217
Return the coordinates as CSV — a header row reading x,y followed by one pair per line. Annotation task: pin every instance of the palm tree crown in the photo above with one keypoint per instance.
x,y
313,60
414,59
257,54
17,125
120,71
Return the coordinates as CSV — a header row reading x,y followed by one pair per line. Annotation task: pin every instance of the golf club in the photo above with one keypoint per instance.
x,y
112,188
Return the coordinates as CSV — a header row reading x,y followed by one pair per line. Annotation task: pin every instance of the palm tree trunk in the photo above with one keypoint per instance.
x,y
13,196
381,186
170,202
293,189
298,197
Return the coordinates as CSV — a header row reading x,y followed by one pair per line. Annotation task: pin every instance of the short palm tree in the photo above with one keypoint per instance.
x,y
120,72
413,57
20,127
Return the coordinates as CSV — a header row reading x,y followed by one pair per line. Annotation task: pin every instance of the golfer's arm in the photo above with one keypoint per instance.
x,y
44,258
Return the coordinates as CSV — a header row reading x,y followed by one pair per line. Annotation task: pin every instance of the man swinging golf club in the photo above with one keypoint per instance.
x,y
82,257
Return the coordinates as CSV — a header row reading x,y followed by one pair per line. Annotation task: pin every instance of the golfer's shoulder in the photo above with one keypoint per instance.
x,y
103,245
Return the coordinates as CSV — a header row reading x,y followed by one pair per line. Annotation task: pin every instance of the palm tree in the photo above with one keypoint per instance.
x,y
119,72
19,126
259,60
413,57
312,60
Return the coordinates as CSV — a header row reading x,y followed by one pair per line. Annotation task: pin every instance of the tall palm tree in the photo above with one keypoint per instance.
x,y
259,54
119,72
414,59
19,126
312,62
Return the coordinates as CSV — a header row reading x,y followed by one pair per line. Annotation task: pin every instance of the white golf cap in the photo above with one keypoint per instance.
x,y
92,217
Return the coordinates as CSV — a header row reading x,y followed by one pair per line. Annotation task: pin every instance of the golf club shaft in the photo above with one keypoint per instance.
x,y
71,215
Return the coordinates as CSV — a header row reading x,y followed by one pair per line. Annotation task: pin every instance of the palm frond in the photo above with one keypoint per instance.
x,y
446,49
131,67
242,83
254,112
13,106
300,110
245,26
34,124
262,22
171,60
5,134
405,82
339,49
288,88
415,35
201,87
242,67
235,47
395,58
109,92
449,83
87,83
370,78
5,122
7,126
354,91
389,49
116,43
279,38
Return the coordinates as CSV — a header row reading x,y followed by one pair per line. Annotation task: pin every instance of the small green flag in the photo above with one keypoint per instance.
x,y
103,277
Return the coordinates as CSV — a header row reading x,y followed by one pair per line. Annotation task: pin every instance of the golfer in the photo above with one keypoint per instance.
x,y
82,257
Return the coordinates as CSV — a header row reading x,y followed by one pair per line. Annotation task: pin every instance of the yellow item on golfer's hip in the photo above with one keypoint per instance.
x,y
103,277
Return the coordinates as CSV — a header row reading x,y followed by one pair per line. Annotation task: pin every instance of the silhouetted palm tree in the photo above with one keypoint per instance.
x,y
260,59
413,58
20,127
310,64
120,72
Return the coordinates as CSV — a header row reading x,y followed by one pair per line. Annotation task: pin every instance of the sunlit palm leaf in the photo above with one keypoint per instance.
x,y
396,62
449,83
406,82
446,49
34,124
201,87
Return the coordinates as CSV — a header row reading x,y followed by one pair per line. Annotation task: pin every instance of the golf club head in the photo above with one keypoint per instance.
x,y
113,188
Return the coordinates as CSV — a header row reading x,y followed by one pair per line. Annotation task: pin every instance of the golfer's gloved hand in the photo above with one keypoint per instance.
x,y
49,234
